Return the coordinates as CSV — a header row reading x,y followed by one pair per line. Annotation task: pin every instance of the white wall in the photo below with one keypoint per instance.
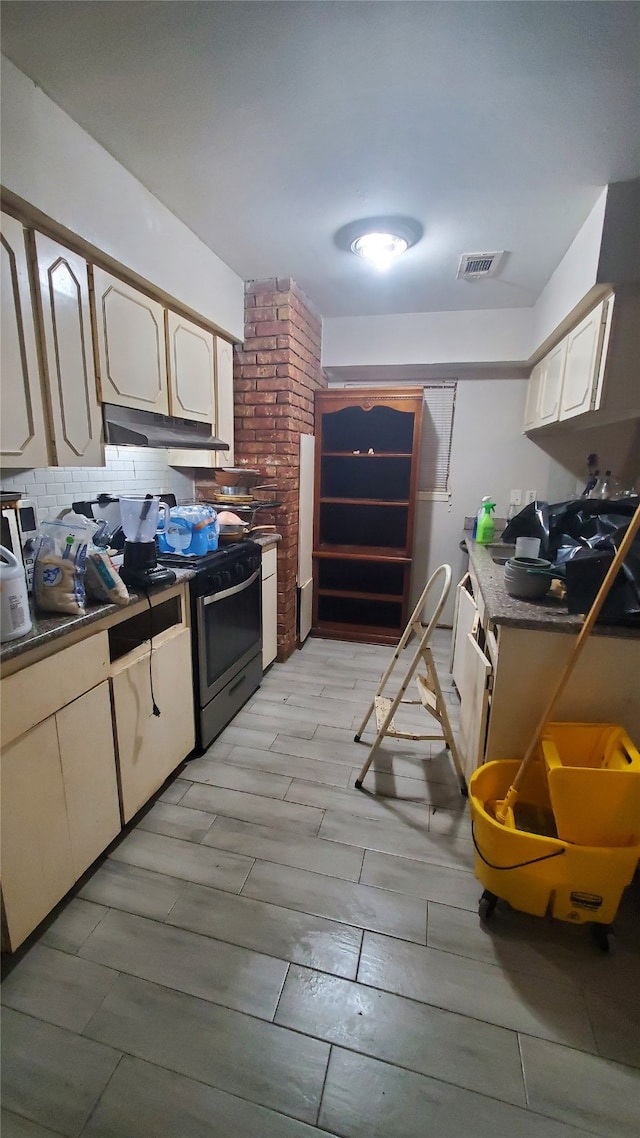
x,y
576,274
489,455
49,161
133,470
475,336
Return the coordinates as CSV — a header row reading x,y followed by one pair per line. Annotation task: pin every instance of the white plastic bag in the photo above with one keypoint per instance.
x,y
58,575
102,580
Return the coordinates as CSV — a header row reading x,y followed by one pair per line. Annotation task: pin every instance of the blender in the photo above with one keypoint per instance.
x,y
139,518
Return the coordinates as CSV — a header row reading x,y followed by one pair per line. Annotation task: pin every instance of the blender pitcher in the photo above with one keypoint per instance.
x,y
140,517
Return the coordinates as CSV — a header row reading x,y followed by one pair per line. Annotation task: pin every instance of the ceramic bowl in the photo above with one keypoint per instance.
x,y
520,582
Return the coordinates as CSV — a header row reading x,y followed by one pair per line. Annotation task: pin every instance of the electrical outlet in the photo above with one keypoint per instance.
x,y
516,498
529,496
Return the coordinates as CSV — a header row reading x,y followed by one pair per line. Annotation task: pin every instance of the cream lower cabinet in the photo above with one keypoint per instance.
x,y
465,621
23,425
269,607
37,867
472,672
59,808
150,747
474,688
85,736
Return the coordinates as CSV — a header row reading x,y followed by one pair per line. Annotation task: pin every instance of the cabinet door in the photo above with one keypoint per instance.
x,y
37,867
150,747
466,622
269,618
551,385
474,706
23,429
71,381
85,737
191,361
531,410
584,346
224,400
131,346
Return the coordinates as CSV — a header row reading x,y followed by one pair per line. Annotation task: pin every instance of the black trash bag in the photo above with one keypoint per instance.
x,y
532,521
585,572
580,538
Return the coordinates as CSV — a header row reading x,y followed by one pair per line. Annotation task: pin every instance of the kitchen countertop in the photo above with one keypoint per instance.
x,y
546,614
49,626
52,626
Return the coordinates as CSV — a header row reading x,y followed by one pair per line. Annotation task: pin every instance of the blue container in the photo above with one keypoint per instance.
x,y
192,530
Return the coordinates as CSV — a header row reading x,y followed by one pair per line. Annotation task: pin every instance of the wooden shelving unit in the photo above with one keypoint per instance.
x,y
367,447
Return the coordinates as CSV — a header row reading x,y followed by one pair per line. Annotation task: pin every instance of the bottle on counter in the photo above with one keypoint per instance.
x,y
487,498
604,487
15,618
486,524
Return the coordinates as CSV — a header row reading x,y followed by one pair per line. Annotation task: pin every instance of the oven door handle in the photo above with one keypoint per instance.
x,y
232,591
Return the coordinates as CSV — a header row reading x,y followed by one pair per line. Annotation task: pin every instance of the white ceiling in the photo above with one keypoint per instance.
x,y
267,126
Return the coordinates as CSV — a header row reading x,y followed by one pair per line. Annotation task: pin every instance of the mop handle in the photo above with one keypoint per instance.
x,y
590,620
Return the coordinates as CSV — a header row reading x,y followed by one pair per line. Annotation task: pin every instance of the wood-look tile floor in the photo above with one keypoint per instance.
x,y
269,953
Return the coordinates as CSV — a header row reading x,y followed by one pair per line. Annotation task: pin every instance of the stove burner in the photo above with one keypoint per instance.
x,y
232,553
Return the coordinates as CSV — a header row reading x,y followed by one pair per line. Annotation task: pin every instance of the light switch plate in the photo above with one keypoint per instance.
x,y
529,496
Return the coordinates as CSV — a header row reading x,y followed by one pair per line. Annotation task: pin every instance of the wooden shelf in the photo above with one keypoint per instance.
x,y
364,502
393,598
353,573
363,552
364,454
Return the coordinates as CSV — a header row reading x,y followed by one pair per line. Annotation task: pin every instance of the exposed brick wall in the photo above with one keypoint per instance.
x,y
275,375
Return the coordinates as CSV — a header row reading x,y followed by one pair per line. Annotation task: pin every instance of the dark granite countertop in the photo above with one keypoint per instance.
x,y
267,539
547,614
53,626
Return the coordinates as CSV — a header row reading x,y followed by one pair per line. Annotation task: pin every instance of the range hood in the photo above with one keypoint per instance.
x,y
124,426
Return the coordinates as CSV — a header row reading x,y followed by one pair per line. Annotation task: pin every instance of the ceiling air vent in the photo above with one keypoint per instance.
x,y
473,266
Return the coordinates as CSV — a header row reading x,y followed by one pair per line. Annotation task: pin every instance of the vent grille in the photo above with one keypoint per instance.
x,y
475,265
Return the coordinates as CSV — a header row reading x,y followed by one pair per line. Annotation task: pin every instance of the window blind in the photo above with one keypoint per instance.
x,y
435,443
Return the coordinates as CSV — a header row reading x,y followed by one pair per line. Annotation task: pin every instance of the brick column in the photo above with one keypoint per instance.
x,y
275,376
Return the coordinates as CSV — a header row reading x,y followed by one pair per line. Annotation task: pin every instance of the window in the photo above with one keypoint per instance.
x,y
435,444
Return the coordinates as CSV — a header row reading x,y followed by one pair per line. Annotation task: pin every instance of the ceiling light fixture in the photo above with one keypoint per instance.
x,y
380,240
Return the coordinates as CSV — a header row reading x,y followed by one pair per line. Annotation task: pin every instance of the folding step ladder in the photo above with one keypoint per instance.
x,y
430,695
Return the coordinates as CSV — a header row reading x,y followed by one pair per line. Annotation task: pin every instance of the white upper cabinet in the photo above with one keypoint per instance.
x,y
23,427
224,397
551,385
131,346
584,346
533,396
591,376
191,358
68,355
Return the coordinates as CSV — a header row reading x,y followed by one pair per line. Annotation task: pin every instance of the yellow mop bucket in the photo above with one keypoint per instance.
x,y
593,775
537,872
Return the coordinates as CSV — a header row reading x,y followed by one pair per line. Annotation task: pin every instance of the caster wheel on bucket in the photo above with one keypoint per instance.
x,y
486,905
601,935
358,784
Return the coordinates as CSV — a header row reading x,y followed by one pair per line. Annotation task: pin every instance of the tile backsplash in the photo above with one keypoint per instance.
x,y
133,470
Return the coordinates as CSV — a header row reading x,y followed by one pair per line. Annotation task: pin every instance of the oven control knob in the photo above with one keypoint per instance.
x,y
225,579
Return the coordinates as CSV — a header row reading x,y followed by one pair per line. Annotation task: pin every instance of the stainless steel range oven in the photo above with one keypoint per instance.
x,y
226,625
